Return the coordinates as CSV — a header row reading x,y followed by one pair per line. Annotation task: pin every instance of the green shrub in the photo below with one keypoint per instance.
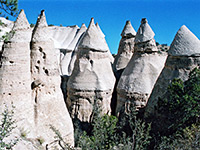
x,y
6,128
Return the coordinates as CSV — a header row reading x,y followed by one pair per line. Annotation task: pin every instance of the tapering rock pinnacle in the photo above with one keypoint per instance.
x,y
184,43
128,30
93,39
100,31
21,22
144,33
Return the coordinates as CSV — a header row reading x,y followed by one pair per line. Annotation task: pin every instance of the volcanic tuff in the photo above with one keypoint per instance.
x,y
125,50
46,93
184,55
138,79
90,83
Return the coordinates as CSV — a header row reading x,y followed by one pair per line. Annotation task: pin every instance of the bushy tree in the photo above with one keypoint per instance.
x,y
182,107
8,8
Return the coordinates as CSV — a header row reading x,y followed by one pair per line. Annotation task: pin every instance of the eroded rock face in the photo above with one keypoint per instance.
x,y
92,80
49,108
184,55
103,36
15,76
125,50
141,73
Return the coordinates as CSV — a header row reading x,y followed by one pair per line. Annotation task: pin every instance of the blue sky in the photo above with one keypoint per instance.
x,y
164,16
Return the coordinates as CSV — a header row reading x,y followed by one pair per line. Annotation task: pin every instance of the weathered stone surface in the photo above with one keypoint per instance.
x,y
144,33
103,36
15,76
92,40
126,48
92,80
185,43
46,93
138,79
67,63
180,62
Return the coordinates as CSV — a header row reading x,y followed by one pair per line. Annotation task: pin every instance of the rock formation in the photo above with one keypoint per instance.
x,y
183,56
103,36
15,76
92,80
46,93
125,50
141,73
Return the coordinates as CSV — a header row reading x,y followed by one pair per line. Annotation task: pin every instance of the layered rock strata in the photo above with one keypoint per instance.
x,y
49,105
125,50
183,56
15,76
141,73
92,80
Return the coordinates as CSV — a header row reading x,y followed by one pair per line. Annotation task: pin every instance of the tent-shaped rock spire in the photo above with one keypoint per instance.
x,y
92,39
184,56
125,50
92,80
15,77
46,93
185,43
138,79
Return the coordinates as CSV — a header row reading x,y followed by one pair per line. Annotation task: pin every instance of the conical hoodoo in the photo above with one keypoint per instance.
x,y
125,50
50,108
183,56
92,80
15,76
141,73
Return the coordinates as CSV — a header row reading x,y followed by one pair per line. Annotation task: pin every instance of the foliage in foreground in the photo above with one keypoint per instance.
x,y
6,127
8,7
108,133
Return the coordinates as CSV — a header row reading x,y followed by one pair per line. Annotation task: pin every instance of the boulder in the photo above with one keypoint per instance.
x,y
138,79
92,80
184,55
49,108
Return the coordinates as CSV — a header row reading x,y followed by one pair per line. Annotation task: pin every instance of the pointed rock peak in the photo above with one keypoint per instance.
x,y
185,43
92,39
91,23
100,31
128,30
83,26
144,33
41,21
21,22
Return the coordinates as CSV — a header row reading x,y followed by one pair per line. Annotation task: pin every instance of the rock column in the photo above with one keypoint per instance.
x,y
141,73
50,108
92,80
15,76
125,50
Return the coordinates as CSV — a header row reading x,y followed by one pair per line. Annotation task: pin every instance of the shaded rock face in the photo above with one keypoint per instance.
x,y
141,73
92,80
49,107
15,76
184,55
125,50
